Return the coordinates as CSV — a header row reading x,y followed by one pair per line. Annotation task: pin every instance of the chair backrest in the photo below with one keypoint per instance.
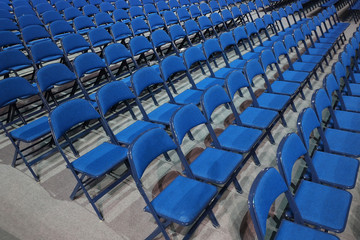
x,y
139,25
34,32
121,4
115,53
53,74
24,21
227,15
184,119
191,27
14,88
306,123
83,22
71,13
205,9
204,22
331,85
244,8
279,49
227,40
339,71
111,94
74,43
170,18
251,28
136,11
69,114
212,98
103,19
60,27
11,59
155,21
177,32
171,65
320,101
139,44
43,51
120,31
240,34
144,78
87,63
99,36
253,68
216,18
193,55
144,150
9,39
90,10
184,15
120,15
267,58
266,188
289,151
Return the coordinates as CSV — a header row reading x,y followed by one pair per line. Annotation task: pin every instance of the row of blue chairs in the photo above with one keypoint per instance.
x,y
331,164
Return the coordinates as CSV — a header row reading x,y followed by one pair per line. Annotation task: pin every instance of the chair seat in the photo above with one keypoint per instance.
x,y
318,51
208,82
348,120
357,77
295,76
163,113
352,103
223,72
315,200
287,230
355,89
189,96
238,63
127,135
259,49
330,41
100,160
287,88
258,117
183,200
215,165
273,101
343,142
304,67
127,81
311,58
323,45
33,130
251,55
239,139
336,170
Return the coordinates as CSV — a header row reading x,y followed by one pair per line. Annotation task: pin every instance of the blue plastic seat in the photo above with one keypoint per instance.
x,y
333,140
266,188
184,201
253,116
213,165
194,56
94,164
235,138
141,80
114,93
21,129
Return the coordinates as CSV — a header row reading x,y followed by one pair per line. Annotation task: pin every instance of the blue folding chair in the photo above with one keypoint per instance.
x,y
170,18
120,15
121,4
137,12
59,29
162,42
73,44
12,61
218,23
103,20
121,32
45,52
83,24
194,10
156,22
333,140
193,29
111,95
99,38
71,13
96,163
309,195
266,188
207,28
184,201
235,138
242,38
150,8
253,116
351,89
178,34
34,34
246,12
227,43
23,129
107,7
23,21
139,27
139,45
205,9
9,40
162,6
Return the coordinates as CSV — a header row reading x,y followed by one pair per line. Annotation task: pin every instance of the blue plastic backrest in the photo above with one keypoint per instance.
x,y
239,34
279,49
331,84
170,17
116,52
321,101
176,32
340,71
289,10
244,8
53,74
350,50
305,30
184,14
275,15
354,43
144,149
83,22
193,55
61,26
155,19
259,3
316,21
235,81
267,186
291,148
24,21
120,14
8,38
236,11
138,24
34,32
282,13
138,44
184,119
295,7
136,11
216,18
171,65
259,24
227,39
13,88
299,36
73,42
311,25
211,46
191,26
121,4
143,78
90,10
212,98
226,14
160,37
103,18
307,122
253,68
345,59
250,28
98,35
111,94
71,13
267,58
12,58
120,30
205,8
88,62
268,19
70,114
289,42
251,6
